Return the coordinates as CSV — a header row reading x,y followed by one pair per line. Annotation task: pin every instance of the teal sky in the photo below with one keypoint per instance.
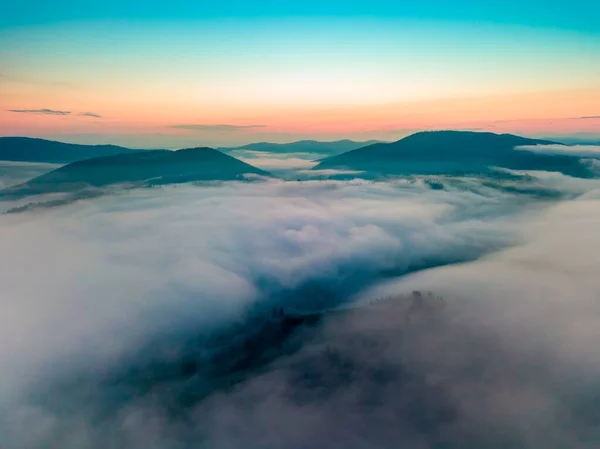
x,y
580,15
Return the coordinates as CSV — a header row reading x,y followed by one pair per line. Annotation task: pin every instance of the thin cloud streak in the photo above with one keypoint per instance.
x,y
41,111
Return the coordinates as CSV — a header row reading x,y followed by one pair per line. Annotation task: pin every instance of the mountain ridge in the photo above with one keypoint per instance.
x,y
33,149
445,152
153,167
303,146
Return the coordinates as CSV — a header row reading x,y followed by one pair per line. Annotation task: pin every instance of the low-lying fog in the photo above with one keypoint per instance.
x,y
13,173
101,298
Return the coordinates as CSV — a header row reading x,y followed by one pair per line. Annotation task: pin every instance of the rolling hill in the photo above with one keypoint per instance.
x,y
153,167
453,152
303,146
27,149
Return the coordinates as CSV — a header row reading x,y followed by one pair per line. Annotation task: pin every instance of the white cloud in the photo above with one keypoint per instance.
x,y
72,271
514,359
85,286
278,163
329,173
572,150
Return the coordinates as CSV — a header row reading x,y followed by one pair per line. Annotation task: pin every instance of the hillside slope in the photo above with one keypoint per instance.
x,y
26,149
144,167
303,146
452,152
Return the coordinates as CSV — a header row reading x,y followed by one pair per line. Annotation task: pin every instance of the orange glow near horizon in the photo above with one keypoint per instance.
x,y
559,112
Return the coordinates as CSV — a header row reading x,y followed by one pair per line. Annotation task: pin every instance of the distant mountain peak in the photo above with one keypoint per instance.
x,y
303,146
156,167
33,149
451,152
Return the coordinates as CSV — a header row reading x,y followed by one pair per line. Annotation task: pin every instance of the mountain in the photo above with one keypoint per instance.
x,y
568,141
576,139
154,167
446,152
27,149
303,146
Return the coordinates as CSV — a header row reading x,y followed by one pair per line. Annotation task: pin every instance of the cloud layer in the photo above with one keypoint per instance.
x,y
277,163
572,150
14,173
100,290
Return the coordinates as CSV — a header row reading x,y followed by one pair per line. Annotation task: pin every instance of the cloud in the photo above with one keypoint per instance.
x,y
139,283
54,112
538,301
220,127
14,173
90,114
532,308
572,150
275,234
330,172
589,117
273,161
41,111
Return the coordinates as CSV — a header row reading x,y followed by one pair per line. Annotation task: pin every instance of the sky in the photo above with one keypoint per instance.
x,y
189,73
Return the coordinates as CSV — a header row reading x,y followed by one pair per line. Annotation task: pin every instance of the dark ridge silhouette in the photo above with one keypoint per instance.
x,y
304,146
577,141
27,149
454,152
151,167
